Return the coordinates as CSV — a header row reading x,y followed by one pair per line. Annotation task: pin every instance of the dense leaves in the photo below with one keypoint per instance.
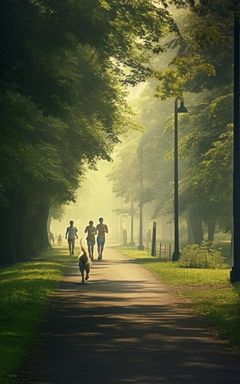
x,y
63,69
201,69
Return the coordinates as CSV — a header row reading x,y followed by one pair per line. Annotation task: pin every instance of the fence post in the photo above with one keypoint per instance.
x,y
154,233
124,237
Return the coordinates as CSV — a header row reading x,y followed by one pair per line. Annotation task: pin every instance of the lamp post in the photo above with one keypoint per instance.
x,y
235,272
177,109
141,246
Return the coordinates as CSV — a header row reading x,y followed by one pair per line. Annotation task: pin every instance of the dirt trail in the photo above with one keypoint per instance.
x,y
124,326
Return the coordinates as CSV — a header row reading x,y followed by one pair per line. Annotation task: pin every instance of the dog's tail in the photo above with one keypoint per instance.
x,y
82,247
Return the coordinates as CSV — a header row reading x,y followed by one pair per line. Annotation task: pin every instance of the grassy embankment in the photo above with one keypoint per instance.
x,y
208,290
25,288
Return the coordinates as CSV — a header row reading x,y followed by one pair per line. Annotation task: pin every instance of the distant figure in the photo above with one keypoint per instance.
x,y
101,230
59,239
91,232
84,263
52,238
71,235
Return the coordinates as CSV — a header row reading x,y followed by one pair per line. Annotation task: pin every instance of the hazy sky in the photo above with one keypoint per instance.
x,y
95,199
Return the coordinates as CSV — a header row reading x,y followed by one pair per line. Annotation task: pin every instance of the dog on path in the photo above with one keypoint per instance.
x,y
84,263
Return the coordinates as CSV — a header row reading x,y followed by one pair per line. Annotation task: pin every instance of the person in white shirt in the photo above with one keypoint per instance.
x,y
71,235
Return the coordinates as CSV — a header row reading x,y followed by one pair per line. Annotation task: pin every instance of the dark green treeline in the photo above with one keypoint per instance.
x,y
64,66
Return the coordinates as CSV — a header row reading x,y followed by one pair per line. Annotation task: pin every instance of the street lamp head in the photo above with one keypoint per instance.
x,y
182,108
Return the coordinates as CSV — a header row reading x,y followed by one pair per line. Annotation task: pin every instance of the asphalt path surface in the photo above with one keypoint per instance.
x,y
125,326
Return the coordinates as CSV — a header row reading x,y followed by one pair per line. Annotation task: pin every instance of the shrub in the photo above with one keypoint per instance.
x,y
201,256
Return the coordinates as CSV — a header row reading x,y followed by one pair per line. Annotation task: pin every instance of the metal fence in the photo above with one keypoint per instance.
x,y
163,250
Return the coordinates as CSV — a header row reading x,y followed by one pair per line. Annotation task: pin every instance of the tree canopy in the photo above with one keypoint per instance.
x,y
200,68
64,69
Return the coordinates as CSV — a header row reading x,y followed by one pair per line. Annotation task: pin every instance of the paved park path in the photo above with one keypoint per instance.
x,y
125,327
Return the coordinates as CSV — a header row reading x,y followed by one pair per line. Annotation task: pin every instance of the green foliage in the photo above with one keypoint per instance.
x,y
201,256
207,148
203,64
64,69
204,51
173,81
63,104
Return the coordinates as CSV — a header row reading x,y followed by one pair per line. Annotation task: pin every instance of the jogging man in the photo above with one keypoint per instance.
x,y
101,230
91,232
71,235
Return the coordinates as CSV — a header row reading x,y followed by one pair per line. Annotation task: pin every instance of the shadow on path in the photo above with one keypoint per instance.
x,y
125,331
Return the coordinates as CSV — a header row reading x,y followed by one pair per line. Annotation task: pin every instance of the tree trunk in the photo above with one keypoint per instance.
x,y
41,223
28,233
211,229
8,254
11,225
22,233
196,227
189,229
49,225
20,212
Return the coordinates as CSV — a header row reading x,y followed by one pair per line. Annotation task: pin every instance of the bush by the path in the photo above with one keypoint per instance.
x,y
25,288
208,290
201,256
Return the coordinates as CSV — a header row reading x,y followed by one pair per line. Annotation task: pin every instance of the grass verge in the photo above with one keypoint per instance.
x,y
208,290
25,288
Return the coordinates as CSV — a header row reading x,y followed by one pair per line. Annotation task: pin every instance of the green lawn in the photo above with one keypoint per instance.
x,y
25,288
209,290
